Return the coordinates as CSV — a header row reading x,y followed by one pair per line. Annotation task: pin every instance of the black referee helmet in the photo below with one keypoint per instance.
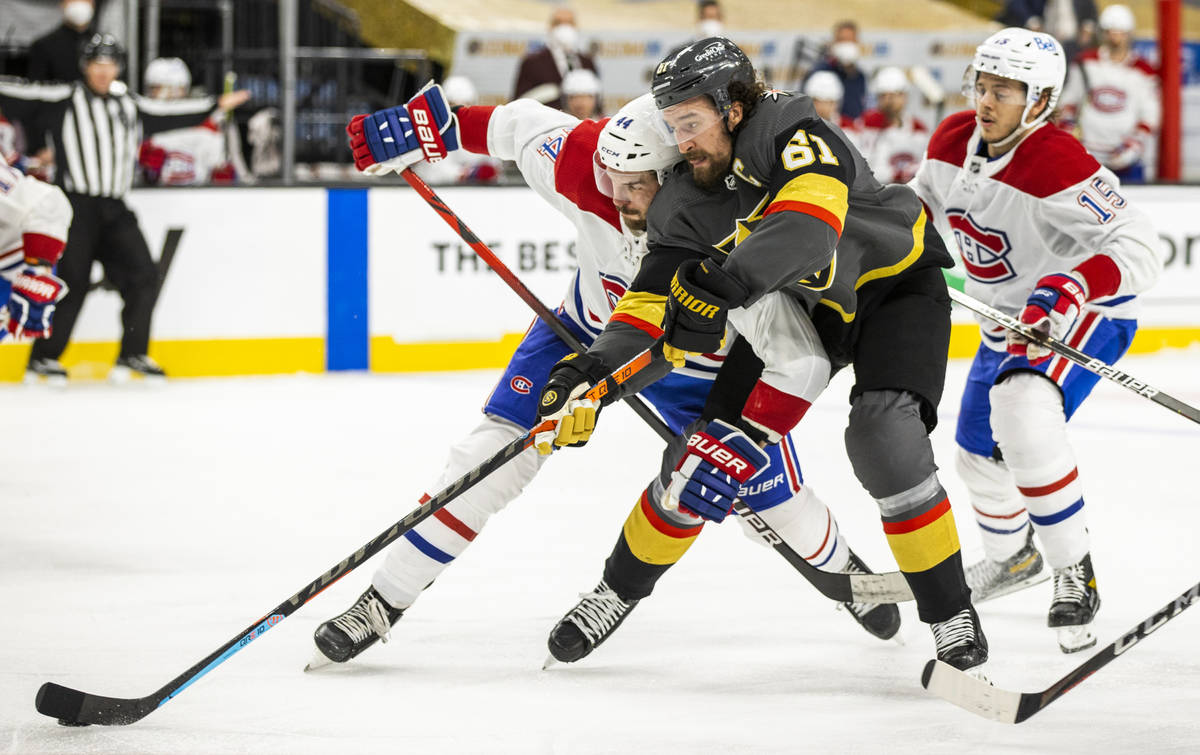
x,y
102,46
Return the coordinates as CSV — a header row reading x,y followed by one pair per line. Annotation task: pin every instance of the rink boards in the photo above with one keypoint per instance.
x,y
268,281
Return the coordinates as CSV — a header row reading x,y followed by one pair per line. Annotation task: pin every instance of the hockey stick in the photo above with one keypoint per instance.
x,y
1103,369
74,708
889,587
982,699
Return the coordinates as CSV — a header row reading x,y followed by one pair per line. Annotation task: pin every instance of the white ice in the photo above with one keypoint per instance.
x,y
141,529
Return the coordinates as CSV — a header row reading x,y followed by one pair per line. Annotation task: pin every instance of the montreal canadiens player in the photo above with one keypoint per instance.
x,y
34,218
1046,236
602,175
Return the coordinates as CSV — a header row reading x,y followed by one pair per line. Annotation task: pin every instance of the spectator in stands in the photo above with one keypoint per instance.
x,y
460,166
183,156
842,61
710,19
1112,99
1071,22
55,56
826,91
582,90
897,140
541,72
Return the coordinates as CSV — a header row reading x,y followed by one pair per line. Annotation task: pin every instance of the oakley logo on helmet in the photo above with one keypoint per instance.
x,y
715,50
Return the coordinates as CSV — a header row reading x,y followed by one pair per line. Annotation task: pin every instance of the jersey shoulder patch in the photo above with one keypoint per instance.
x,y
573,175
1046,162
949,141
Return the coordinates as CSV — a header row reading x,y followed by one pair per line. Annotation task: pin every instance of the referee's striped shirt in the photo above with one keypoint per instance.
x,y
96,137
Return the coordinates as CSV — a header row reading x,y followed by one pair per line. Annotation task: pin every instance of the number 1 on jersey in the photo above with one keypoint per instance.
x,y
799,152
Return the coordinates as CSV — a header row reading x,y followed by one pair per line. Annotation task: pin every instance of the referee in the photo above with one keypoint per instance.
x,y
95,127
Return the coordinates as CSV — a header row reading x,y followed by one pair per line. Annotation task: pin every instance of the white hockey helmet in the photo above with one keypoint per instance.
x,y
633,141
824,85
889,79
580,81
168,72
1117,18
1033,58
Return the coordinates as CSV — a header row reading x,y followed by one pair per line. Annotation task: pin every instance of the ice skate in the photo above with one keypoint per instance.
x,y
140,366
961,643
362,625
588,624
1074,606
879,619
990,579
49,370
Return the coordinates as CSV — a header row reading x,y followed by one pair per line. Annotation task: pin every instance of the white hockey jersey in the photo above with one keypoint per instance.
x,y
894,152
1043,207
189,155
34,218
554,151
1116,106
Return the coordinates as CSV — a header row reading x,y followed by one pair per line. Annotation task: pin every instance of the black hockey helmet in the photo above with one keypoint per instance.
x,y
705,67
101,46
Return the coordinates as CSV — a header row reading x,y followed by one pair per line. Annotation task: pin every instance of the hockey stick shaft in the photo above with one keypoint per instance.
x,y
1101,368
981,698
73,707
862,588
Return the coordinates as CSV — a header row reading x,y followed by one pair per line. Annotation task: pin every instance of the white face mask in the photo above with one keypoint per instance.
x,y
710,27
78,13
566,37
846,53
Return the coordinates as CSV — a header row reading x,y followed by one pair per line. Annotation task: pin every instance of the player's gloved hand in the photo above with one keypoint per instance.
x,y
719,459
1126,154
30,305
701,296
1050,310
570,379
396,137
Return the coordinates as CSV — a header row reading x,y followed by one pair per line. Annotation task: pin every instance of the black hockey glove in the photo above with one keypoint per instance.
x,y
570,379
701,296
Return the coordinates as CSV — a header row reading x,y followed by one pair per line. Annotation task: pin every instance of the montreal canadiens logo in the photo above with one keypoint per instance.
x,y
1108,99
521,384
984,250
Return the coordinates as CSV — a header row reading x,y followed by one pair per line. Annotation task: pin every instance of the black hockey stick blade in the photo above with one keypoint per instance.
x,y
889,587
74,708
982,699
1101,368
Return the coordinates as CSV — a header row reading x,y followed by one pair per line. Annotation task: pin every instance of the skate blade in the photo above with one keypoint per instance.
x,y
549,662
1036,579
898,638
58,382
1076,638
318,661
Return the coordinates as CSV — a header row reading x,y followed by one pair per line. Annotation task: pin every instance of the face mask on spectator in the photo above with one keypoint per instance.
x,y
710,27
845,53
566,37
78,13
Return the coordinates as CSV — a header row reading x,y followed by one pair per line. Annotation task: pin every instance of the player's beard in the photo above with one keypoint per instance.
x,y
634,221
709,175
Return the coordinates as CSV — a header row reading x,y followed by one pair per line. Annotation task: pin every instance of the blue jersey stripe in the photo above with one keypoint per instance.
x,y
1056,518
428,548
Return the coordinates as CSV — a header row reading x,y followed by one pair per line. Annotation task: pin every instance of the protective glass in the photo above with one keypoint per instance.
x,y
1004,92
685,121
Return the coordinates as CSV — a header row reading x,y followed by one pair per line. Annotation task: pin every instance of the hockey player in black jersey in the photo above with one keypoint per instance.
x,y
777,226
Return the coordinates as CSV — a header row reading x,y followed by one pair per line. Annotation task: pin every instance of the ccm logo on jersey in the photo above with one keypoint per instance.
x,y
521,384
707,446
984,250
427,136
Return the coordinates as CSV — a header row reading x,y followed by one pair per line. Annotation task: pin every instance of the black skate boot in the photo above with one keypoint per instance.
x,y
361,626
588,624
50,370
960,642
880,619
1074,606
141,366
990,579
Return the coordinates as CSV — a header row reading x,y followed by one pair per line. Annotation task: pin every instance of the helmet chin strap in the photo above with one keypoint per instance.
x,y
1023,127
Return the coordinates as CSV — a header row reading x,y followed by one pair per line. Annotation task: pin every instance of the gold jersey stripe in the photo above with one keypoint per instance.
x,y
643,306
913,255
825,192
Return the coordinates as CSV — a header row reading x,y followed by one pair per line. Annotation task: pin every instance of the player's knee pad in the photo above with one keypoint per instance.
x,y
493,492
989,481
887,442
1027,419
806,525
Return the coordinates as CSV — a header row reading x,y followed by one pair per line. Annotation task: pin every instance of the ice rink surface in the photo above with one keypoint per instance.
x,y
159,523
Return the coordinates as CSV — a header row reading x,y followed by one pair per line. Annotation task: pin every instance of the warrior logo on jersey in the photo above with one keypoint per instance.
x,y
553,145
984,250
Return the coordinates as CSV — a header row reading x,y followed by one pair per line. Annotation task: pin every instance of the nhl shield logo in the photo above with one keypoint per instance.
x,y
984,250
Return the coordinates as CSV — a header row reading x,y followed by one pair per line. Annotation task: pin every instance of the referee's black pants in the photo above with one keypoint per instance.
x,y
106,231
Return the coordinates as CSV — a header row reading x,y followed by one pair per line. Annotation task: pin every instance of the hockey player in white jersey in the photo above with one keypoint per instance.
x,y
560,157
1045,235
34,218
